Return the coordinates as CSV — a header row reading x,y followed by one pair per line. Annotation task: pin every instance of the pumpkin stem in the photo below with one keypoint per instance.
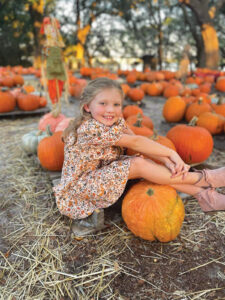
x,y
155,135
150,192
139,120
193,121
48,130
40,132
200,100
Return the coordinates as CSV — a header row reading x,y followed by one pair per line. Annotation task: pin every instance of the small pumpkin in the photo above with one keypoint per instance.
x,y
7,101
163,140
196,108
174,109
136,94
28,102
171,90
31,140
146,121
154,89
220,84
211,121
153,212
194,144
219,107
139,129
131,78
130,110
51,152
42,102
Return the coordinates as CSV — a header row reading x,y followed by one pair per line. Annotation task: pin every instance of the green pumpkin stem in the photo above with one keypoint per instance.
x,y
150,192
139,120
48,130
200,100
155,135
193,121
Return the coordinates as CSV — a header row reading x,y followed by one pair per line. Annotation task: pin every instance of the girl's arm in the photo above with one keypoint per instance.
x,y
163,159
152,149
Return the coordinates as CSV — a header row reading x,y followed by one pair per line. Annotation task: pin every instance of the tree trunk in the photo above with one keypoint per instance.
x,y
208,55
211,46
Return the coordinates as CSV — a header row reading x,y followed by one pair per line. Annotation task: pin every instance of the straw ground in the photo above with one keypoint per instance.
x,y
41,259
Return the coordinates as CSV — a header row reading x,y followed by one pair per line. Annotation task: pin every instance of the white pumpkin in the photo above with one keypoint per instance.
x,y
31,140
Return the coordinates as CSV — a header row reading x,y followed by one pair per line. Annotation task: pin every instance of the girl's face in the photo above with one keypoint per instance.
x,y
106,107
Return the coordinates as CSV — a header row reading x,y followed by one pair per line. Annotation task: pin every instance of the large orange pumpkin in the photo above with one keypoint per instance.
x,y
7,101
153,212
51,152
193,144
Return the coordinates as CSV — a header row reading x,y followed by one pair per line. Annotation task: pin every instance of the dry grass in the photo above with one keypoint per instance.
x,y
41,259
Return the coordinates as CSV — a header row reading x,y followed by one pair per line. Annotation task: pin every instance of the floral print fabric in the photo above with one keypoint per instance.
x,y
95,172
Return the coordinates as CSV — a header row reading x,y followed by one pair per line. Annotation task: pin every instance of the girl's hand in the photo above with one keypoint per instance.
x,y
179,165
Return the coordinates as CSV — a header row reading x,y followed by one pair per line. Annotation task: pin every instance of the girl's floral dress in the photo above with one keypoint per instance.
x,y
94,173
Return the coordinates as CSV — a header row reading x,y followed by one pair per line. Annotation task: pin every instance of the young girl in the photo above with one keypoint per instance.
x,y
95,171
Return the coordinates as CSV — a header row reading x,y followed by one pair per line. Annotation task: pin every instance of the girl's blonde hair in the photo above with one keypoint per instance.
x,y
90,91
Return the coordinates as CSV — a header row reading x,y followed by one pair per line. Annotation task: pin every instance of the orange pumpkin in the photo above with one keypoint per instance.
x,y
131,78
139,129
196,108
28,102
8,81
171,90
7,102
28,88
153,212
42,101
154,89
174,109
211,121
194,144
220,84
51,152
136,94
146,121
130,110
18,80
125,87
219,107
163,140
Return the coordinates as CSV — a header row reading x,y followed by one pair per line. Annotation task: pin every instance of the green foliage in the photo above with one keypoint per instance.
x,y
19,30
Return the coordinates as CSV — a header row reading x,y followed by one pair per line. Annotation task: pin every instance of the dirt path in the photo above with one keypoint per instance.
x,y
41,259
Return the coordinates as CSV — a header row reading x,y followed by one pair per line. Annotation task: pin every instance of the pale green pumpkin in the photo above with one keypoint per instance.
x,y
31,140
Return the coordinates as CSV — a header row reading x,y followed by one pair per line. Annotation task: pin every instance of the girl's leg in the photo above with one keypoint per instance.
x,y
208,199
188,189
149,170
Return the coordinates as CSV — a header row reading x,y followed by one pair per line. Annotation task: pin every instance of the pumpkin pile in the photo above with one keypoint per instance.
x,y
153,212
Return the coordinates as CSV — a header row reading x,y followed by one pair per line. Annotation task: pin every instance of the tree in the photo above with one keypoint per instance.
x,y
204,12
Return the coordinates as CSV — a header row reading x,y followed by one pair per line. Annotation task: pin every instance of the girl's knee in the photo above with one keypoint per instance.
x,y
137,164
